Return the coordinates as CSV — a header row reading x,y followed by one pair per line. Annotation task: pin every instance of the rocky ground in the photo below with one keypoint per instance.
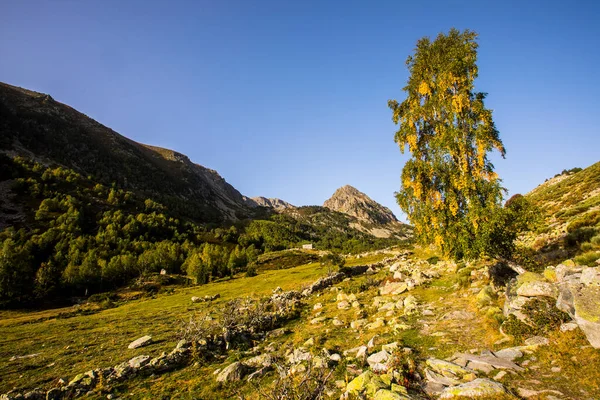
x,y
402,328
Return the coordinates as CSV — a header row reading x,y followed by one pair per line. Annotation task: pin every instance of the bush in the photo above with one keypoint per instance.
x,y
588,258
542,317
251,271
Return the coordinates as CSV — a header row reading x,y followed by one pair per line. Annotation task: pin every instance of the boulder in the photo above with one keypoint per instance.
x,y
234,372
590,277
582,303
447,368
393,288
481,387
531,284
359,384
139,361
377,360
141,342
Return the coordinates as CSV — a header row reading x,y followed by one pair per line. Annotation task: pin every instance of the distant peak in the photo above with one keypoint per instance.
x,y
351,201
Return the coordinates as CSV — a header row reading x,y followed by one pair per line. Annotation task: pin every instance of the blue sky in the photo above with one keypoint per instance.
x,y
288,99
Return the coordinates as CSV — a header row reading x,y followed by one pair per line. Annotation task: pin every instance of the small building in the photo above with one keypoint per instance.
x,y
308,246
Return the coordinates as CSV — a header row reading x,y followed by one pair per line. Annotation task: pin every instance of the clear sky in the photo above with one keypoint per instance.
x,y
288,99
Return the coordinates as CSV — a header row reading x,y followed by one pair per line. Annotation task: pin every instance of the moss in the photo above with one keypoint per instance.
x,y
517,328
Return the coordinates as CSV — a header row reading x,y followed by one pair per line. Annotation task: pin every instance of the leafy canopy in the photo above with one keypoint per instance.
x,y
449,189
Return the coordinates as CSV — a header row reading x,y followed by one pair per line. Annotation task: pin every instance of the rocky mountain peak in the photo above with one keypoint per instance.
x,y
274,203
351,201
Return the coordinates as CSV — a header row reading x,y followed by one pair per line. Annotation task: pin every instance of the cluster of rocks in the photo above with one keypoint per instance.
x,y
576,290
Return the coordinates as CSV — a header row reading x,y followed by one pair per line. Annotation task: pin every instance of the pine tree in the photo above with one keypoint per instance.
x,y
449,189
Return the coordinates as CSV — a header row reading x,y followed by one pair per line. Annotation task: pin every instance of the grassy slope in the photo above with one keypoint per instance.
x,y
77,344
564,198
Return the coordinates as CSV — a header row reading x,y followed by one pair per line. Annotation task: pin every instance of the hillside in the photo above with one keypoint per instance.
x,y
569,197
570,204
35,125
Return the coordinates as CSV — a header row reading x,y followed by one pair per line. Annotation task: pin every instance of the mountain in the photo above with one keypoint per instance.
x,y
273,203
371,217
38,127
349,200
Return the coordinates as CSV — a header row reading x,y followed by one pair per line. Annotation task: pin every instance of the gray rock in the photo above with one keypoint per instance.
x,y
234,372
139,361
378,358
510,353
590,277
490,360
393,288
434,377
537,341
537,288
568,326
141,342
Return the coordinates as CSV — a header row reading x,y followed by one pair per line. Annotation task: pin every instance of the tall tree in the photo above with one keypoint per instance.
x,y
449,189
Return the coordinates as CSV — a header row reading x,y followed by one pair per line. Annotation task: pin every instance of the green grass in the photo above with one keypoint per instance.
x,y
68,346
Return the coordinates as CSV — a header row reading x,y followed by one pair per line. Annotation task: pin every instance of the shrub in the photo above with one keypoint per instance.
x,y
251,271
542,317
588,258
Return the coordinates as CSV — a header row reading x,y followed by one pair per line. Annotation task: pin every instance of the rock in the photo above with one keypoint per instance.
x,y
491,361
399,276
530,284
446,367
434,377
568,326
410,303
234,372
275,333
358,323
385,394
196,299
566,269
139,361
299,355
433,389
537,341
378,358
318,320
337,322
335,358
343,305
486,296
510,353
261,360
480,366
590,277
317,306
141,342
500,375
359,384
428,313
376,325
390,347
393,288
387,306
481,387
